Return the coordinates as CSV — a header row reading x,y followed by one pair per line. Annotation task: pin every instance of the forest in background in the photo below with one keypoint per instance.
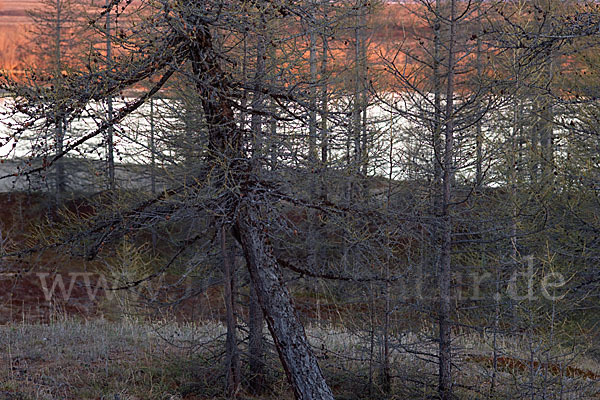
x,y
359,199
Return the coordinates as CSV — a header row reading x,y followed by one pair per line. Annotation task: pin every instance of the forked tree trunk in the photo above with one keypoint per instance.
x,y
225,145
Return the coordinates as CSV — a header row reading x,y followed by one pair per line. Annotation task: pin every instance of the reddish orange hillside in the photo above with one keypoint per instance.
x,y
395,31
14,11
13,20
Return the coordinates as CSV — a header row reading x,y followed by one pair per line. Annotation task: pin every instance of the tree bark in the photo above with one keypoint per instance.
x,y
312,115
324,113
445,312
60,167
256,347
298,361
478,126
231,348
225,146
109,104
60,122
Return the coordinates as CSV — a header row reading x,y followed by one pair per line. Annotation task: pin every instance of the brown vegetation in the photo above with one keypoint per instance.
x,y
515,365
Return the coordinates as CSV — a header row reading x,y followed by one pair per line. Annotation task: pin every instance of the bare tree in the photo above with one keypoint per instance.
x,y
55,41
187,35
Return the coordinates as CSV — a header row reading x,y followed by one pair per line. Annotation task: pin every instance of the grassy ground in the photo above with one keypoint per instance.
x,y
98,359
72,359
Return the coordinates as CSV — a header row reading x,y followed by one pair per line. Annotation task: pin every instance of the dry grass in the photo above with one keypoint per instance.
x,y
72,359
80,359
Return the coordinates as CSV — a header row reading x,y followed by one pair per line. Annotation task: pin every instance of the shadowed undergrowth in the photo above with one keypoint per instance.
x,y
98,359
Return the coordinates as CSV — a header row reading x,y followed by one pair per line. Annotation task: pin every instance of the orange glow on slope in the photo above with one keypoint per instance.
x,y
393,27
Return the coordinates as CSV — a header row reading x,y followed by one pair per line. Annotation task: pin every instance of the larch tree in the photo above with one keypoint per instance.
x,y
192,41
443,99
55,41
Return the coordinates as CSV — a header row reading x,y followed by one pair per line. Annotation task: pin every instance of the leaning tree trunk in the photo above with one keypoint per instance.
x,y
298,361
256,345
225,146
